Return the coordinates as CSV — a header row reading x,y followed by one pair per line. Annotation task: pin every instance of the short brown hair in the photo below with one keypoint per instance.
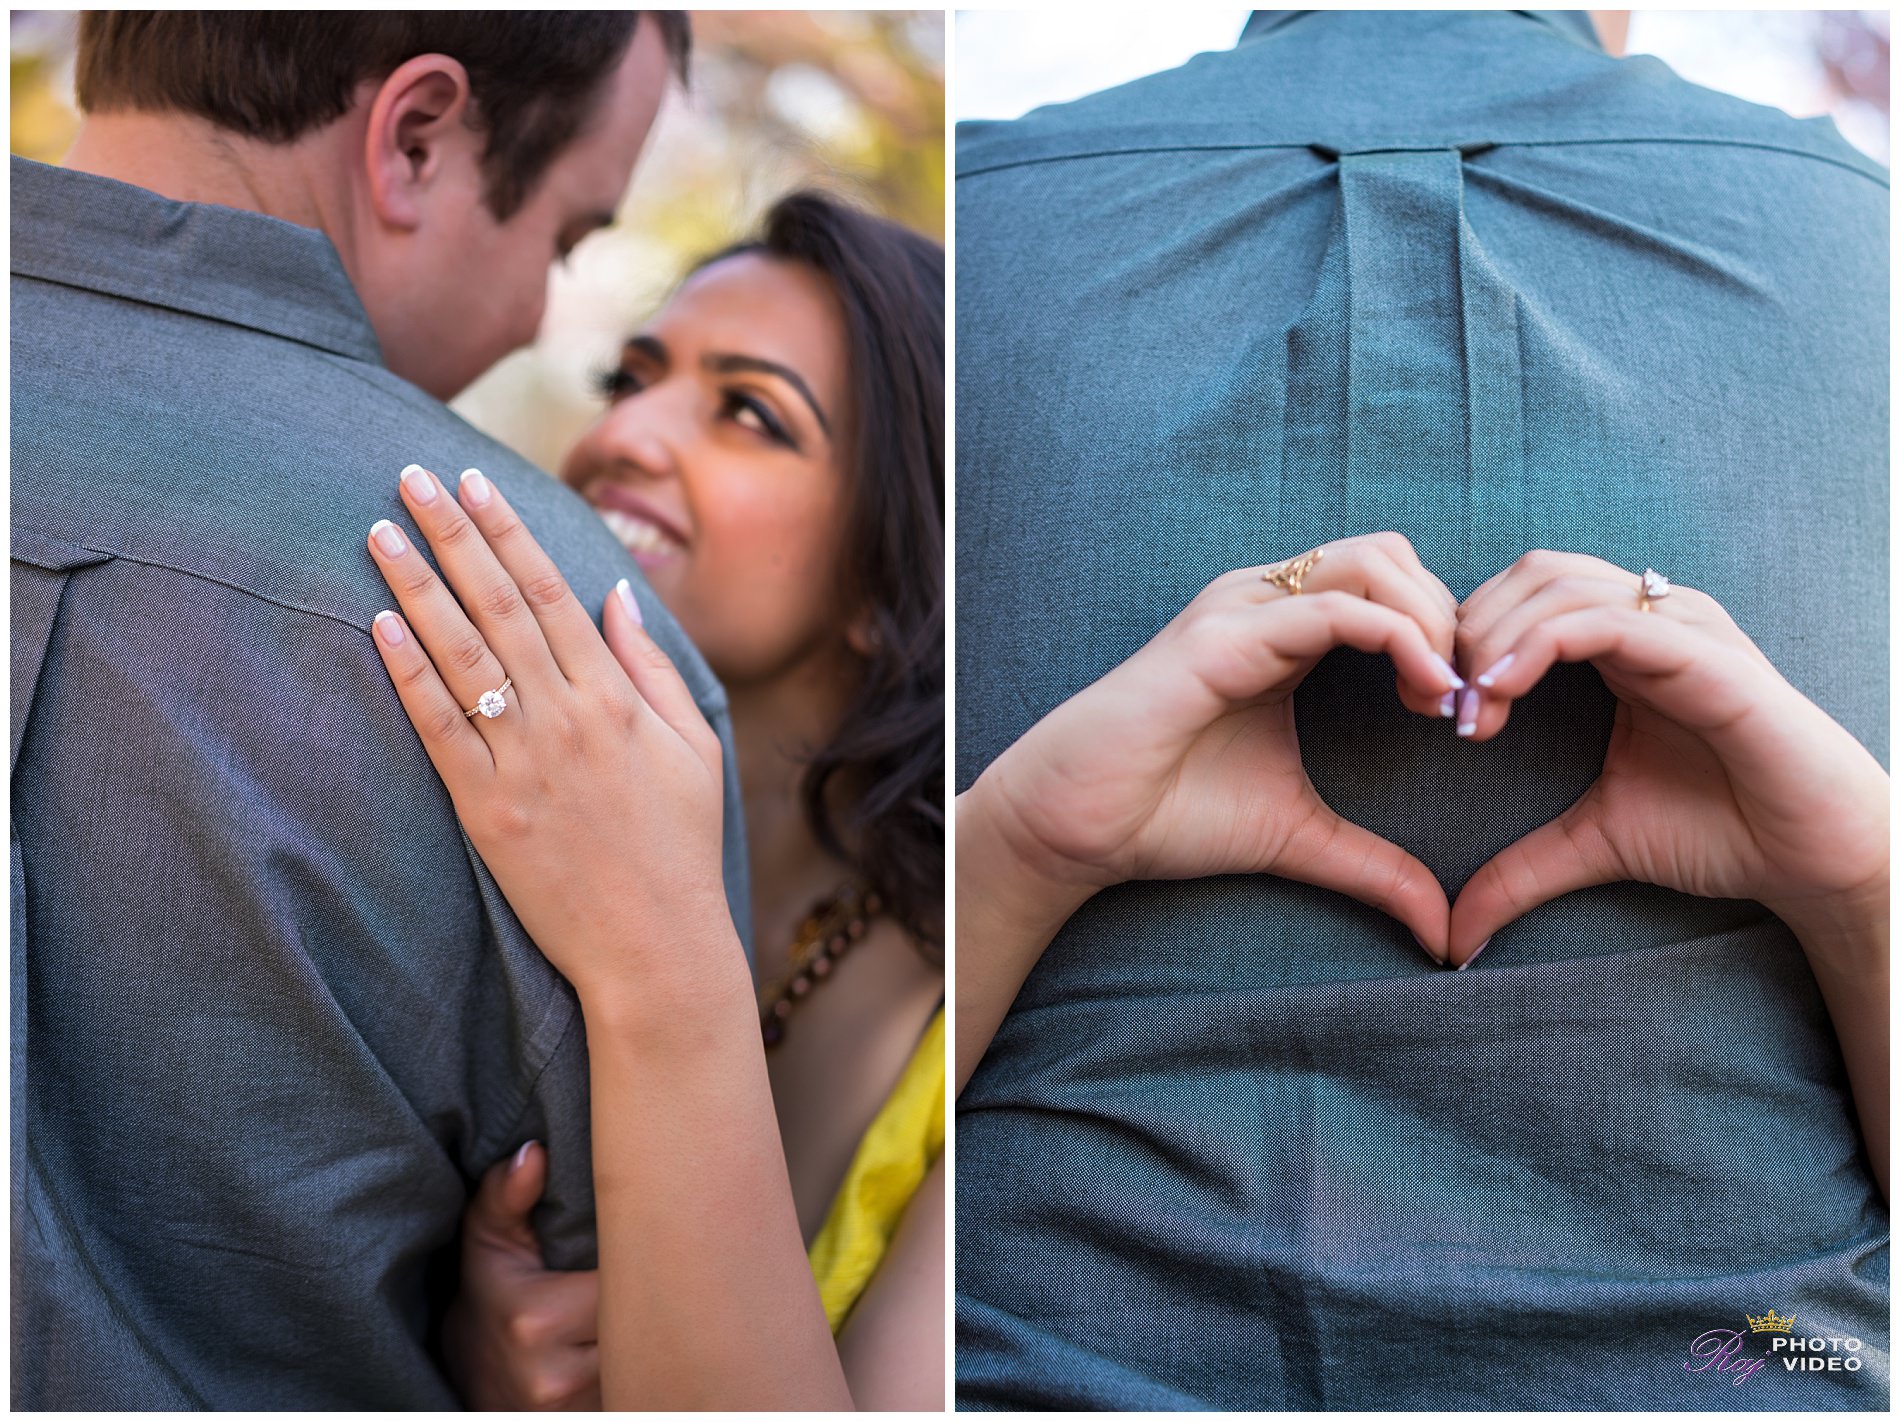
x,y
276,75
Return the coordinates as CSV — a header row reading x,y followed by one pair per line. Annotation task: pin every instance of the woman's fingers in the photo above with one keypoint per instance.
x,y
1312,624
434,618
456,750
492,603
1230,652
573,1298
571,635
1558,858
1336,854
1641,645
1738,704
546,1322
1543,585
653,674
1382,568
501,1213
1526,574
1486,654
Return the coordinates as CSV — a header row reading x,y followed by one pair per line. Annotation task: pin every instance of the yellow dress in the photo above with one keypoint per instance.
x,y
903,1142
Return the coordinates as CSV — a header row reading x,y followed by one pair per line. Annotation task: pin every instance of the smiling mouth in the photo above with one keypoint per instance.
x,y
648,542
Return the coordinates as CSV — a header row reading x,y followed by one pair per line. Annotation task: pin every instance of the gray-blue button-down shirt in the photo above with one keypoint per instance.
x,y
1463,275
271,1015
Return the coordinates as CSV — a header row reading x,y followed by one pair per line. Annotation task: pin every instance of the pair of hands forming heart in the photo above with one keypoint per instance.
x,y
1720,780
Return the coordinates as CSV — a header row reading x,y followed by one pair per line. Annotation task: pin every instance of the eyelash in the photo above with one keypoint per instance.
x,y
615,381
611,382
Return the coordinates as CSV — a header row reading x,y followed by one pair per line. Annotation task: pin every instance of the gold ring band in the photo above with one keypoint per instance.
x,y
1292,573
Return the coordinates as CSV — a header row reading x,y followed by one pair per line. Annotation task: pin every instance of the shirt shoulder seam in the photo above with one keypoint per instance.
x,y
710,707
328,343
204,577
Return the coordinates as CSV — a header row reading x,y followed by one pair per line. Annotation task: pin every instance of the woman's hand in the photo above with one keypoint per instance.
x,y
1183,761
520,1336
595,797
1720,780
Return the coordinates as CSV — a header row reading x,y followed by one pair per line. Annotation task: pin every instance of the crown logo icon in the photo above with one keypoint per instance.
x,y
1773,1323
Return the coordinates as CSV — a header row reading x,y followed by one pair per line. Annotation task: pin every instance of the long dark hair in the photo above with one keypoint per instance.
x,y
873,793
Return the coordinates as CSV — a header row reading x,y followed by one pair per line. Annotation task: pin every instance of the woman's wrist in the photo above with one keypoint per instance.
x,y
1845,929
1000,875
681,989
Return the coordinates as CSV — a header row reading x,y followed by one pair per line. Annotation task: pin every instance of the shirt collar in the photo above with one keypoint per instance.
x,y
1572,24
239,267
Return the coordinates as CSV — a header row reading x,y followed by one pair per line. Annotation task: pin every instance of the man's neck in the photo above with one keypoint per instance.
x,y
1613,28
189,159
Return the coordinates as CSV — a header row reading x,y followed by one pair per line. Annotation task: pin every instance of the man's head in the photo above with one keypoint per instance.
x,y
449,155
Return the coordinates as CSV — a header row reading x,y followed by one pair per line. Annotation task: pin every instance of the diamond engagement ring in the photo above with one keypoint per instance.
x,y
1655,588
492,703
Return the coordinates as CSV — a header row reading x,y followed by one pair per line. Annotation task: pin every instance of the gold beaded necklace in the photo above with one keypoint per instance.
x,y
835,923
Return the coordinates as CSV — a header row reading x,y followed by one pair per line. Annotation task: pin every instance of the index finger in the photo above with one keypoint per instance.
x,y
568,627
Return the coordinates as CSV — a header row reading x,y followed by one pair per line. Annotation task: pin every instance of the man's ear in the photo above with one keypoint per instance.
x,y
418,131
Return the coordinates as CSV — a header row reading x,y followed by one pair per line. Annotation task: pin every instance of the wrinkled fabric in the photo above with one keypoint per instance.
x,y
272,1017
1239,1143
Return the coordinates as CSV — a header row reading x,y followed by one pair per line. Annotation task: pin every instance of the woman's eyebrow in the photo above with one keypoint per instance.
x,y
652,347
725,364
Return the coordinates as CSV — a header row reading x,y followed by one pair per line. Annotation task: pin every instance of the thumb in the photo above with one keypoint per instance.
x,y
1569,853
500,1214
1337,854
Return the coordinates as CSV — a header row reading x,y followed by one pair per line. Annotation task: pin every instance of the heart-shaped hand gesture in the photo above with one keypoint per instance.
x,y
1720,780
1183,761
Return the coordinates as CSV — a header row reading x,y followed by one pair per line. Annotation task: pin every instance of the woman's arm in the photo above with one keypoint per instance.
x,y
1846,942
1006,915
892,1345
594,797
706,1298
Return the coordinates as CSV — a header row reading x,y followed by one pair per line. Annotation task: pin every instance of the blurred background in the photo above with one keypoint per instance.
x,y
852,100
1806,62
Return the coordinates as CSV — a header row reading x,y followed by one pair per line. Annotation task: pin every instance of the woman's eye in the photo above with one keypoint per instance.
x,y
616,382
753,414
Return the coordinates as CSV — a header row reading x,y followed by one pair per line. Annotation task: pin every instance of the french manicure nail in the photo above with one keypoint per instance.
x,y
389,628
419,483
388,537
1497,669
475,487
1423,949
521,1157
1457,682
1474,955
1448,705
627,601
1467,712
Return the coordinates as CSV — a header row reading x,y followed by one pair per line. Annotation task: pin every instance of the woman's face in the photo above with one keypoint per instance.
x,y
719,462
